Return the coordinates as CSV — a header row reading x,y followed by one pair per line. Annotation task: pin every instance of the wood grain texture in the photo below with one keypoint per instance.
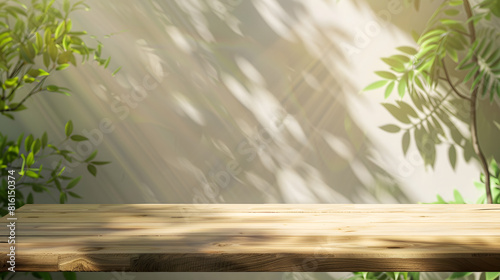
x,y
255,237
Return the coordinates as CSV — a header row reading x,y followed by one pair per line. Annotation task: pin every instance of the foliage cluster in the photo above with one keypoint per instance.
x,y
459,38
36,41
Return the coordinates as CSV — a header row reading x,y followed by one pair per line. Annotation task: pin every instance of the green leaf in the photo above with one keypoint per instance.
x,y
453,55
62,198
30,159
492,275
415,35
52,51
43,72
67,274
375,85
449,21
19,107
452,12
69,25
452,156
471,73
388,89
78,138
407,108
66,6
75,196
100,162
457,3
92,169
26,55
406,141
68,129
12,82
401,58
28,142
107,62
58,184
46,59
20,138
91,157
59,29
386,75
29,199
27,79
397,113
62,67
392,128
414,275
431,35
44,140
73,182
116,71
61,171
495,169
440,200
39,41
35,147
52,88
458,197
31,174
407,50
456,275
393,63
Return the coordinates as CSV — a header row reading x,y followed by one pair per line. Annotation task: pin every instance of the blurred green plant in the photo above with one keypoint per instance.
x,y
36,41
494,185
457,36
415,275
27,157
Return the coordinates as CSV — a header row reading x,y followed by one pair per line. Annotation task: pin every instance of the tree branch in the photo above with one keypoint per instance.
x,y
36,89
451,85
473,113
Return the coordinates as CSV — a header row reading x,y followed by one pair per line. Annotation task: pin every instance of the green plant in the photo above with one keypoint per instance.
x,y
457,36
36,41
27,157
38,33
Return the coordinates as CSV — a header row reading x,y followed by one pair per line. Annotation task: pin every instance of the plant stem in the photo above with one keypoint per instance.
x,y
451,85
473,113
36,89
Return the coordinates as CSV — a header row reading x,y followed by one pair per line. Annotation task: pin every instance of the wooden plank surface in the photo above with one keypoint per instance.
x,y
255,237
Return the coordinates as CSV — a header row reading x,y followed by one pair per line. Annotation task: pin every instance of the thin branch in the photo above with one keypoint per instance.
x,y
36,89
461,32
16,69
451,85
473,114
13,91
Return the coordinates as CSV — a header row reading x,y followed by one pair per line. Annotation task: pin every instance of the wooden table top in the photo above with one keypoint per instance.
x,y
254,237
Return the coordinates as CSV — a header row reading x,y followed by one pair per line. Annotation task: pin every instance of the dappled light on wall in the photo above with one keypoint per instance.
x,y
230,102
